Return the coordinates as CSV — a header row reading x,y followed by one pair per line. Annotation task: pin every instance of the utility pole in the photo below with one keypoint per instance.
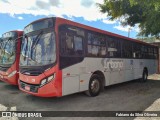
x,y
129,29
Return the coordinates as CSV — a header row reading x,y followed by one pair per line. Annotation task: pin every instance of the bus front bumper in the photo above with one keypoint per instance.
x,y
11,80
48,90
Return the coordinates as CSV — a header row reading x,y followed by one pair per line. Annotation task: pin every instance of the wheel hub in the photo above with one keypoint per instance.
x,y
95,85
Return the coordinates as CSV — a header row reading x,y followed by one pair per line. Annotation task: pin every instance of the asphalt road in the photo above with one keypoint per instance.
x,y
129,96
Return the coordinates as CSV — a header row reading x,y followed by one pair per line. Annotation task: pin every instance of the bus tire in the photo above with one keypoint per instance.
x,y
94,86
144,75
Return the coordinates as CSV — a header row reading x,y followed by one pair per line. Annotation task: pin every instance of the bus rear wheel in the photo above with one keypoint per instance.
x,y
144,76
94,86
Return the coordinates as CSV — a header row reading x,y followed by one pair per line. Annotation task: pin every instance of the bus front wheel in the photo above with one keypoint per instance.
x,y
144,75
94,86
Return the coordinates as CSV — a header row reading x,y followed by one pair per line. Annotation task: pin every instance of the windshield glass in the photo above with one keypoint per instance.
x,y
38,49
7,51
1,48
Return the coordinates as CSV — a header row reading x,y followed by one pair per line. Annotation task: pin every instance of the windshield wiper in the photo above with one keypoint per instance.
x,y
9,39
1,46
35,43
7,42
1,41
37,39
32,48
26,48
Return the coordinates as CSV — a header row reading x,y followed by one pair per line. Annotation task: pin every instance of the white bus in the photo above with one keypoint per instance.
x,y
61,57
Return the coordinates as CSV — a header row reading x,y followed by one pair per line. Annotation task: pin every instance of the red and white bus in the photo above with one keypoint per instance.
x,y
60,57
10,56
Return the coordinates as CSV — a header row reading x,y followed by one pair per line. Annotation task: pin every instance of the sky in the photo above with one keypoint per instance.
x,y
16,14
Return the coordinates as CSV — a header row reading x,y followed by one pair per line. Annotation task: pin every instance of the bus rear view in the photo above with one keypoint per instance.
x,y
9,56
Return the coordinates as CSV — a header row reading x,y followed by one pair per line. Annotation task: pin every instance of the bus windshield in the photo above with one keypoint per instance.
x,y
7,51
1,40
38,50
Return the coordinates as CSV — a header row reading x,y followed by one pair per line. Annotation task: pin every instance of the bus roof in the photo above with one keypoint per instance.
x,y
63,20
20,32
14,31
102,31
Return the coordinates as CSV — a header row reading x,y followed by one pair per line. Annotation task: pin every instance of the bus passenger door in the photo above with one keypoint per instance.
x,y
71,55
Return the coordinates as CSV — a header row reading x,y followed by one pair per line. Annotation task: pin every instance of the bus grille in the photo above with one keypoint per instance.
x,y
33,88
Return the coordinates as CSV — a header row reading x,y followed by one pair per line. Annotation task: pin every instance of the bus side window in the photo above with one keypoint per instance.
x,y
69,44
152,53
155,53
127,50
137,51
78,43
96,45
62,42
111,48
144,51
72,41
114,47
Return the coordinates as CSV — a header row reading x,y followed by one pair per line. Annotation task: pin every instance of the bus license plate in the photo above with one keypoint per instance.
x,y
27,88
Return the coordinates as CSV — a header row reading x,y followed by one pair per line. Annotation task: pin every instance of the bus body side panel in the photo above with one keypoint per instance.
x,y
152,66
128,69
138,68
114,70
76,77
71,78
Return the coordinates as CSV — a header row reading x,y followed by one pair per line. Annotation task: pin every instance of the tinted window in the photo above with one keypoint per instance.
x,y
71,42
96,46
71,45
155,53
137,51
151,52
127,49
113,47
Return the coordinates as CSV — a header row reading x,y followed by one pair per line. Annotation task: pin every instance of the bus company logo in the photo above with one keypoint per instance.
x,y
6,114
33,80
112,64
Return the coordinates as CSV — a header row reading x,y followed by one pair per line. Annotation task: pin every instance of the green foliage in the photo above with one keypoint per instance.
x,y
146,13
147,39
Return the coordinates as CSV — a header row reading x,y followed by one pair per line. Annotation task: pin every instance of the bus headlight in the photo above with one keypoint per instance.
x,y
12,73
43,82
47,80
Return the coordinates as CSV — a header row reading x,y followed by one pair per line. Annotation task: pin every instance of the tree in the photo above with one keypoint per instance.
x,y
145,13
